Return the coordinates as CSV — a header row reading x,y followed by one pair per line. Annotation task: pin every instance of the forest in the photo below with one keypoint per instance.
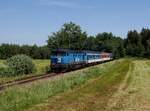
x,y
71,36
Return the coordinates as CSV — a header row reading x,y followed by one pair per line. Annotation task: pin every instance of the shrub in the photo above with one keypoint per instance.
x,y
47,69
21,64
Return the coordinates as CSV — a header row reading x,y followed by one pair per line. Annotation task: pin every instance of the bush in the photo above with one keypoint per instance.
x,y
47,69
21,64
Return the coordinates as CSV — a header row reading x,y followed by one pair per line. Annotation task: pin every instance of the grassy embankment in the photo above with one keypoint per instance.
x,y
40,69
123,88
81,88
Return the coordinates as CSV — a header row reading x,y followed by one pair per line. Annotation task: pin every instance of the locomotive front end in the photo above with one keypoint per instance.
x,y
57,60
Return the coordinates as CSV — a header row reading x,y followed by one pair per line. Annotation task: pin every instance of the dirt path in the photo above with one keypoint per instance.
x,y
134,92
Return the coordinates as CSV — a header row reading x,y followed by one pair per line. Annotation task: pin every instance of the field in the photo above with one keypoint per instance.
x,y
120,85
2,63
40,69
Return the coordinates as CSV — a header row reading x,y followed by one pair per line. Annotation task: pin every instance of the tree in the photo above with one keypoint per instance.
x,y
145,34
90,43
25,49
103,41
134,45
70,36
36,52
110,43
8,50
121,50
44,52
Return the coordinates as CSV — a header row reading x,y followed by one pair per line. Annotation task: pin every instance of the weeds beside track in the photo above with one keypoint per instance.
x,y
26,80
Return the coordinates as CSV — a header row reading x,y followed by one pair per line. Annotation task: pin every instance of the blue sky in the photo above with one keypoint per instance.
x,y
31,21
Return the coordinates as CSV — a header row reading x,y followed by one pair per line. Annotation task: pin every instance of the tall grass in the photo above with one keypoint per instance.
x,y
20,98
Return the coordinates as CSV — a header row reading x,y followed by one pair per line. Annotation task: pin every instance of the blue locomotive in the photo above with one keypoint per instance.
x,y
65,60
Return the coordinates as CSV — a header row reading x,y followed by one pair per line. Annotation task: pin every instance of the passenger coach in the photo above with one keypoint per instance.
x,y
64,59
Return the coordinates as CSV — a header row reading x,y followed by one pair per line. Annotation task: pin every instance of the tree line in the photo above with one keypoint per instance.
x,y
138,43
34,51
71,36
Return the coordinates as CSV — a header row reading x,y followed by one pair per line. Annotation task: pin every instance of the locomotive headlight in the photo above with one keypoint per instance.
x,y
59,60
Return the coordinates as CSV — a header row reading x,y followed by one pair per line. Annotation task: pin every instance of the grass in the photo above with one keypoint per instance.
x,y
136,96
40,66
92,96
105,79
125,87
2,63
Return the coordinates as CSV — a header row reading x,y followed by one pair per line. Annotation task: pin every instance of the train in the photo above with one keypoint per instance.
x,y
63,60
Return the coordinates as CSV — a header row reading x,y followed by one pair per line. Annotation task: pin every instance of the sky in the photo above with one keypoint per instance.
x,y
31,21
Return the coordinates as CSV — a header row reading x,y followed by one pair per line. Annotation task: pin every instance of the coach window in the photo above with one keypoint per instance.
x,y
97,56
89,57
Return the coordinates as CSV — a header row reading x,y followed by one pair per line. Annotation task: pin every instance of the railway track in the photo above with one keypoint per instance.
x,y
26,80
36,77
